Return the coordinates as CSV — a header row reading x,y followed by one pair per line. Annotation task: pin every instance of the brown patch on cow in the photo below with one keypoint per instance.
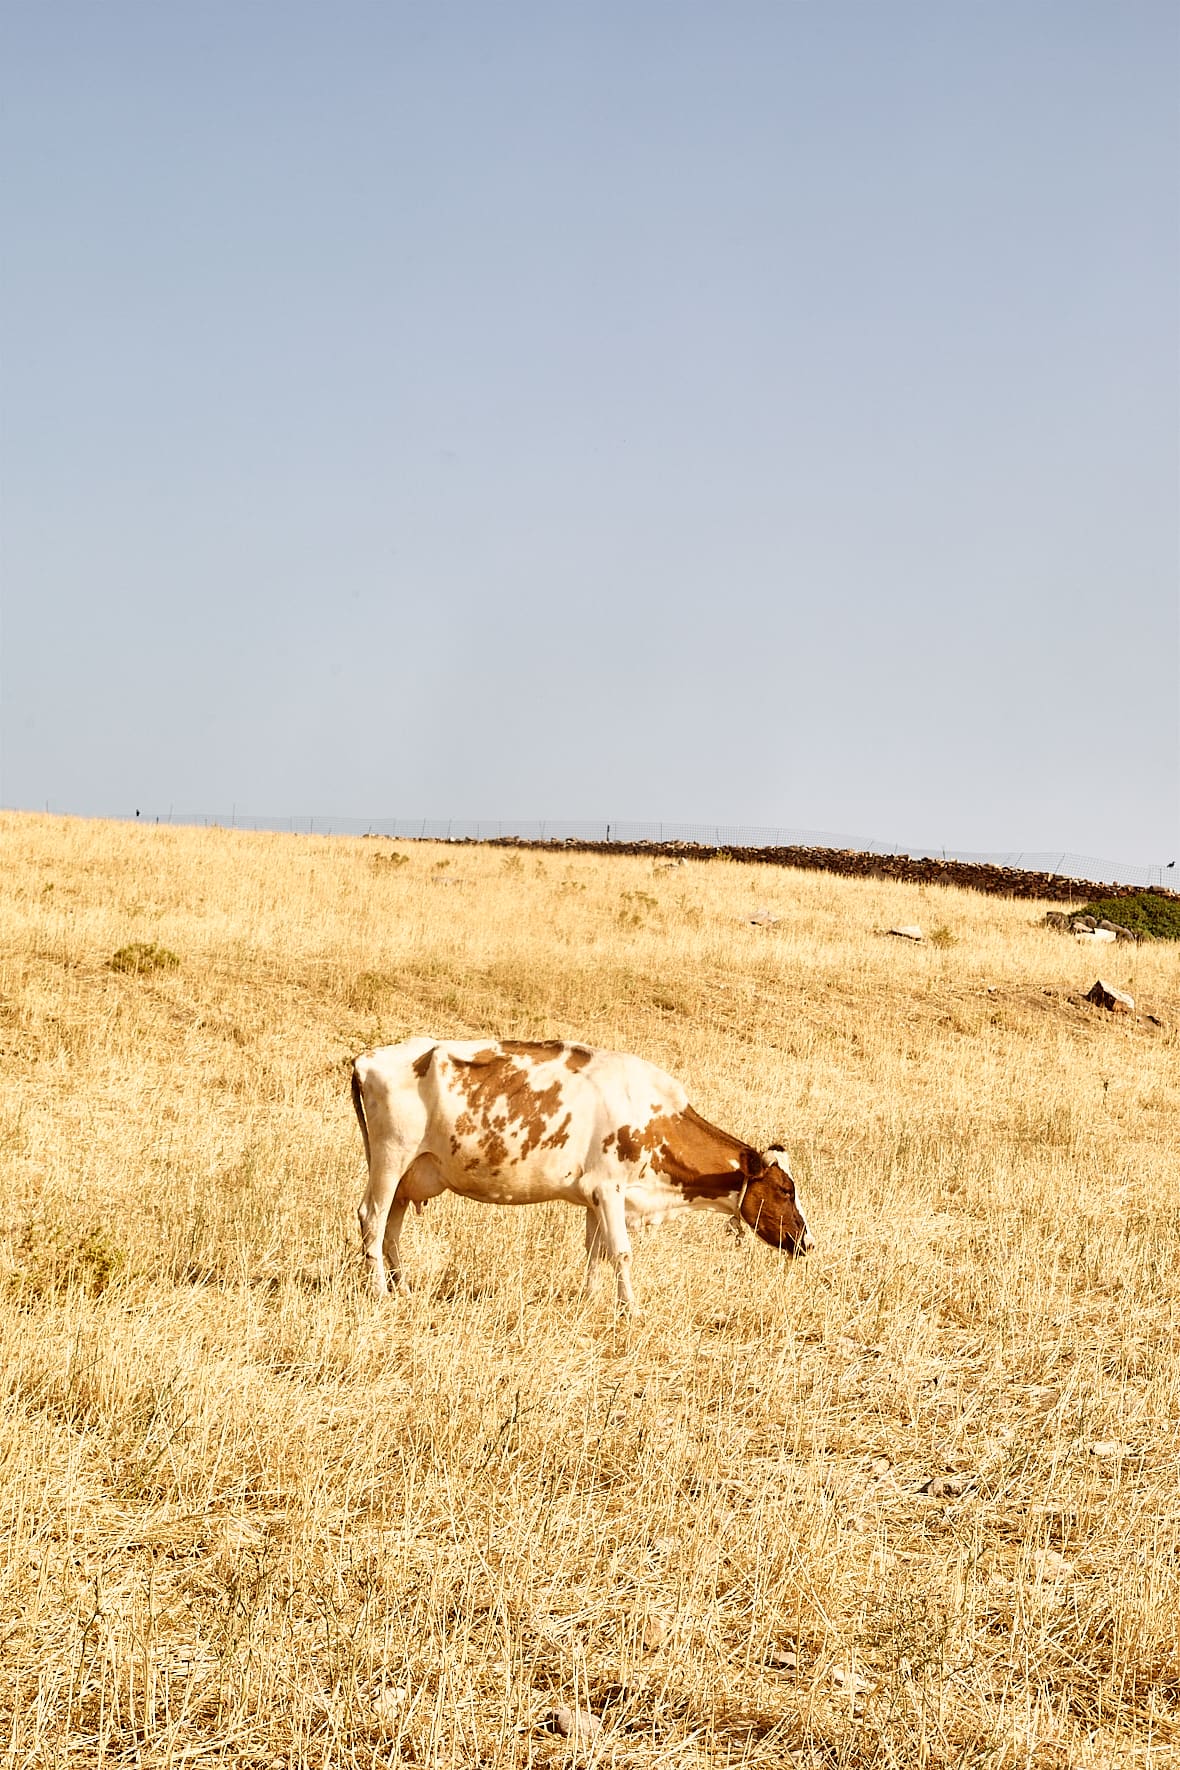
x,y
770,1210
701,1159
422,1064
547,1050
628,1143
540,1050
559,1136
477,1058
500,1101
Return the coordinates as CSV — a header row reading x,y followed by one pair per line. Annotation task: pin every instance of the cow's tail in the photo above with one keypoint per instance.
x,y
358,1106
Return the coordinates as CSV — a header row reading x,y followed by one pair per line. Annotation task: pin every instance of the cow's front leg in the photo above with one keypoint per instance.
x,y
612,1219
594,1250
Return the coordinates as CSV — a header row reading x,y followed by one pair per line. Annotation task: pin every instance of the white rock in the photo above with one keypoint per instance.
x,y
850,1681
1110,1447
573,1723
912,932
1100,936
946,1487
782,1659
388,1703
1047,1564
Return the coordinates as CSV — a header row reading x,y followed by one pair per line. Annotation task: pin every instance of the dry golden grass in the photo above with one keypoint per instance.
x,y
244,1508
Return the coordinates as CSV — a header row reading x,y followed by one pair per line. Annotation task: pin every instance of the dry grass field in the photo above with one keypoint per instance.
x,y
915,1501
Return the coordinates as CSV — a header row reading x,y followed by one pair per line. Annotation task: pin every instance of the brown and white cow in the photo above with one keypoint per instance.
x,y
518,1122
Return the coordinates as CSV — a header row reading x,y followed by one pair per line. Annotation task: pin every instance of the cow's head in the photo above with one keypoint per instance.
x,y
769,1204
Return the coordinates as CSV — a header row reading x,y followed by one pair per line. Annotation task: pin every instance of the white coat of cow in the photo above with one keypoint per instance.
x,y
518,1122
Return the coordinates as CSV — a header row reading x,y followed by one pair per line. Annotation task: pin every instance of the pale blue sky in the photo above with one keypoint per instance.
x,y
759,412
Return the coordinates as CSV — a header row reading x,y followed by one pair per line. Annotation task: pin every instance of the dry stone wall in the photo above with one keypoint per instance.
x,y
998,881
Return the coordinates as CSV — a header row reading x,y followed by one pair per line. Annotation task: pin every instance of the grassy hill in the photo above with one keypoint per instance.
x,y
910,1502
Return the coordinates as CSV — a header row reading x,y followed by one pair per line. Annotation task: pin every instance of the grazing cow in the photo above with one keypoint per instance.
x,y
517,1122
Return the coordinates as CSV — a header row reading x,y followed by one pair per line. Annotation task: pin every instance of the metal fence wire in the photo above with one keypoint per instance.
x,y
1051,861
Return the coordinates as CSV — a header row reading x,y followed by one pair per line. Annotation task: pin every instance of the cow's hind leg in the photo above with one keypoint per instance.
x,y
381,1219
611,1211
421,1181
595,1249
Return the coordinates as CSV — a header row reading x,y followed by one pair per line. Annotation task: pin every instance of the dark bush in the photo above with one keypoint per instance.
x,y
1145,913
144,955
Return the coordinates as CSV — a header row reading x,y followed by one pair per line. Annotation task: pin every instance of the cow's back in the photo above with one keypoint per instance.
x,y
512,1121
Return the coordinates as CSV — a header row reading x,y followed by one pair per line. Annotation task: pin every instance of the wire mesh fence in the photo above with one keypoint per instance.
x,y
1054,862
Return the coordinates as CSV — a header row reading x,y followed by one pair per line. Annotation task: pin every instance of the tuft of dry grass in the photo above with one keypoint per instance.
x,y
914,1502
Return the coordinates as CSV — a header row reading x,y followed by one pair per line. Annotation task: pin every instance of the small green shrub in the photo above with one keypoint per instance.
x,y
635,908
390,859
942,937
144,955
1146,913
369,992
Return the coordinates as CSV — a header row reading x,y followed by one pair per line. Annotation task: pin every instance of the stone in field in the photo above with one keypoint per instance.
x,y
910,932
849,1680
573,1723
946,1487
1047,1564
1104,995
388,1704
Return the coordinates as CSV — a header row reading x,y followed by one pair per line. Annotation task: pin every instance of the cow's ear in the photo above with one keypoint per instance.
x,y
752,1164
